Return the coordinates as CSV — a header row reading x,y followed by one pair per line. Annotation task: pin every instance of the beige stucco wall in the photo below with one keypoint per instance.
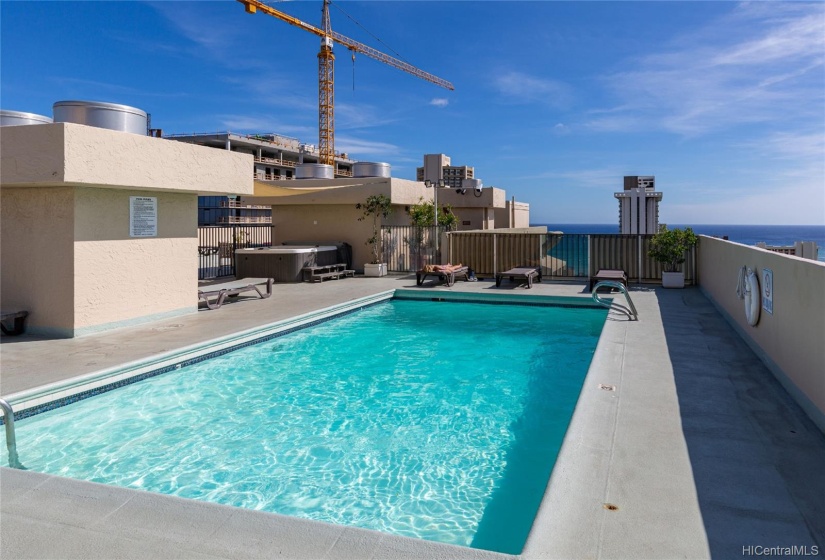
x,y
67,255
37,254
64,153
792,340
119,278
325,211
326,222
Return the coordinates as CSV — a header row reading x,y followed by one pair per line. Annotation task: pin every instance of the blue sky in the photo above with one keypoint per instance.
x,y
555,101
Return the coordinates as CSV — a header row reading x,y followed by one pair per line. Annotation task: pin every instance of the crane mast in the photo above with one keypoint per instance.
x,y
326,94
326,70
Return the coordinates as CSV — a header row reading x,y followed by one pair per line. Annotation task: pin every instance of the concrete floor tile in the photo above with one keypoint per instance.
x,y
70,502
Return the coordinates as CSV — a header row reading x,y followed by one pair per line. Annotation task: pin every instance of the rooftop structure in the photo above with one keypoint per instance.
x,y
276,157
324,209
639,205
801,249
437,166
222,210
99,226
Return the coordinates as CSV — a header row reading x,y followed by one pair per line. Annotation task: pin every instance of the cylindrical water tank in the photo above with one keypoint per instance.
x,y
16,118
314,171
102,115
370,169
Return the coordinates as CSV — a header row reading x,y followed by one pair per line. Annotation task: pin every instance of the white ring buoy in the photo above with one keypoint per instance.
x,y
753,298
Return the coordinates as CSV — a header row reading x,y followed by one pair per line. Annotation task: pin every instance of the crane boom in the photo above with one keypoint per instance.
x,y
253,5
326,71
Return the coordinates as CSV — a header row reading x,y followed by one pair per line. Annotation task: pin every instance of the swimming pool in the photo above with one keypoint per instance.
x,y
432,420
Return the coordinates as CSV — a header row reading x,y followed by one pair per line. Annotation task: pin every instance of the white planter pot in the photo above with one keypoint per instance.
x,y
673,279
379,269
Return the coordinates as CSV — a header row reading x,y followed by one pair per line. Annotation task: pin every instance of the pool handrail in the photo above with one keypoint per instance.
x,y
11,439
629,310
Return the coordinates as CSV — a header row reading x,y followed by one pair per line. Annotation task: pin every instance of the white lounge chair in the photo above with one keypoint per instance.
x,y
228,289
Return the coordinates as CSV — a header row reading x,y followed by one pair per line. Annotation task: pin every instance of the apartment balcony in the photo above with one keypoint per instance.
x,y
245,219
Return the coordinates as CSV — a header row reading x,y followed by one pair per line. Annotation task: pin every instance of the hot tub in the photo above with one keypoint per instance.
x,y
283,263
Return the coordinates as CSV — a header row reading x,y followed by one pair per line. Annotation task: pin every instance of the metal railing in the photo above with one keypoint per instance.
x,y
629,309
490,252
11,438
562,256
409,248
217,246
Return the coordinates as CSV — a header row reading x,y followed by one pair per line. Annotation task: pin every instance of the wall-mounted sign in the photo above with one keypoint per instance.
x,y
767,290
143,216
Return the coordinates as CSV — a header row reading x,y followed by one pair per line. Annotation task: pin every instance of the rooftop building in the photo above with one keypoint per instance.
x,y
437,166
639,205
276,157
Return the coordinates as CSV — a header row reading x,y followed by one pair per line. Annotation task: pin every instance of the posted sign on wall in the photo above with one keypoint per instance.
x,y
143,216
767,290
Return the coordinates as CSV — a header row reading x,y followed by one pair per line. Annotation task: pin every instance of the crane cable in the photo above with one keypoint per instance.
x,y
356,22
368,32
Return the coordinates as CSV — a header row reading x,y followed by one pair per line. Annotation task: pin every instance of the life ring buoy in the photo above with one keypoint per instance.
x,y
748,290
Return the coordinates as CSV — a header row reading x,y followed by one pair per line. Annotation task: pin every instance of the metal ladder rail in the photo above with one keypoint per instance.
x,y
629,310
11,440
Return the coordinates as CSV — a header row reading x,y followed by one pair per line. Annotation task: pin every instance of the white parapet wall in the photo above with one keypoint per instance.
x,y
72,255
791,339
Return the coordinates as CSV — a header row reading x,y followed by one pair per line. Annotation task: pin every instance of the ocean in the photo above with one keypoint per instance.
x,y
747,235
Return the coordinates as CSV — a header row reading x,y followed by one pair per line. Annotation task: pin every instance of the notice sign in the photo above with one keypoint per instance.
x,y
767,290
143,216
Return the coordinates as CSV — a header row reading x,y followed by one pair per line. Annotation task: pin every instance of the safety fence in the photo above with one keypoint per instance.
x,y
409,248
217,245
561,256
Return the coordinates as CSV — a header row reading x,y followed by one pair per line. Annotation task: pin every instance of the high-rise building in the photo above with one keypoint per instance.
x,y
437,166
639,205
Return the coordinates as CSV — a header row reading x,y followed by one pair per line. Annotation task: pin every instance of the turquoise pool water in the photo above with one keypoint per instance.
x,y
440,421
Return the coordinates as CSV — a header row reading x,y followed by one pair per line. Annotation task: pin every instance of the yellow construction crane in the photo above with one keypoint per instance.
x,y
326,70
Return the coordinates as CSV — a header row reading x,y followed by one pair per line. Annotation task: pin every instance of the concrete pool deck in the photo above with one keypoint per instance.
x,y
697,451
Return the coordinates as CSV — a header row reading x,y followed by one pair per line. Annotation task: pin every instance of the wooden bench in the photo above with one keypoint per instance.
x,y
615,275
18,322
326,272
522,272
230,289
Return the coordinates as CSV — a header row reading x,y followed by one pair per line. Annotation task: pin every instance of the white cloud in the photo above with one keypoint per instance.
x,y
361,148
349,116
440,102
605,179
518,87
762,64
259,125
800,202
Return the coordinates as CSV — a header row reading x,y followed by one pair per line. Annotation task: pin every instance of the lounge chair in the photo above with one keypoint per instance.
x,y
447,273
17,319
615,275
522,272
230,289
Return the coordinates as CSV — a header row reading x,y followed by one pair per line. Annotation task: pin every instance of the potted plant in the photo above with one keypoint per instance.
x,y
422,216
377,206
668,247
